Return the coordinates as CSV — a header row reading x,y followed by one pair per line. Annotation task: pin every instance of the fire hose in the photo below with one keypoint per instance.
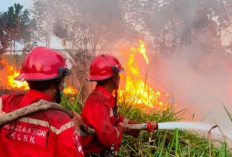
x,y
42,105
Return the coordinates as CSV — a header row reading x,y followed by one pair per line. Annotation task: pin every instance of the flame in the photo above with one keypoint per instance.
x,y
136,89
70,90
7,74
142,50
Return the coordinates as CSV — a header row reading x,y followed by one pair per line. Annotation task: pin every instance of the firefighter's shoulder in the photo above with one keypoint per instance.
x,y
58,121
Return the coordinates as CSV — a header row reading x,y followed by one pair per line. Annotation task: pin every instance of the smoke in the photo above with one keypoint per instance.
x,y
198,81
186,59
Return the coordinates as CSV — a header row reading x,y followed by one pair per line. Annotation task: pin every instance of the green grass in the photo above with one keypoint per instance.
x,y
162,143
168,143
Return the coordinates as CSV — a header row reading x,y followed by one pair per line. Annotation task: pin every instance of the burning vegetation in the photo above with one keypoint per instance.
x,y
135,89
193,43
7,74
70,90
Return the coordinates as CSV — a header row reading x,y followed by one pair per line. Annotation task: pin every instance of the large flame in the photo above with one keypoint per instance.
x,y
136,90
7,74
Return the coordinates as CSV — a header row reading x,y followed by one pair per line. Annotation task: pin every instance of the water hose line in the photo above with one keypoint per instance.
x,y
40,105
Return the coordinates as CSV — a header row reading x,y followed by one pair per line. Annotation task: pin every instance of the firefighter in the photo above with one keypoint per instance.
x,y
44,133
100,110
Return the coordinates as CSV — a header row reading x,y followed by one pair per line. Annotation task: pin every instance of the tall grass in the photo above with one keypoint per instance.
x,y
162,143
166,143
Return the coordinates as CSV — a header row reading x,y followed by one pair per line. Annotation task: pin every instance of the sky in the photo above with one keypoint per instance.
x,y
28,4
4,4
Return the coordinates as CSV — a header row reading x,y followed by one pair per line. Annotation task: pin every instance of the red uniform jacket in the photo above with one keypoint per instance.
x,y
98,114
46,133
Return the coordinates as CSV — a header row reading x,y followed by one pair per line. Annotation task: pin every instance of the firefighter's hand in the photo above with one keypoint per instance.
x,y
152,125
122,127
77,122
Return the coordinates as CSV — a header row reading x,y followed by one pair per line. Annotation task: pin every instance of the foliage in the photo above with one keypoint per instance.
x,y
89,27
16,26
84,28
176,23
84,24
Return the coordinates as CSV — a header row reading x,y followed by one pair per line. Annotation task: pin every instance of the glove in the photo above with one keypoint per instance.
x,y
77,120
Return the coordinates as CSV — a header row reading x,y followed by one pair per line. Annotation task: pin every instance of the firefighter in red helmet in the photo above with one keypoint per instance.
x,y
100,110
44,133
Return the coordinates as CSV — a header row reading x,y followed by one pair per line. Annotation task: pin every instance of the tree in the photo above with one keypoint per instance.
x,y
90,27
176,23
85,27
16,26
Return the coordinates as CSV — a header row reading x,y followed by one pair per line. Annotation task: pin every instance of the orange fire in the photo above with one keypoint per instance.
x,y
136,90
70,90
7,74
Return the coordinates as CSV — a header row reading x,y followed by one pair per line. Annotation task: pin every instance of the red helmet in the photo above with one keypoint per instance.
x,y
103,67
43,64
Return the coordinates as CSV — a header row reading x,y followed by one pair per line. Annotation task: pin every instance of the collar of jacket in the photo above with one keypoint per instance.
x,y
36,95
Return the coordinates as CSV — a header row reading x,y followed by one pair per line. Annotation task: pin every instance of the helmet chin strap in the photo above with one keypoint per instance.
x,y
58,95
115,109
57,98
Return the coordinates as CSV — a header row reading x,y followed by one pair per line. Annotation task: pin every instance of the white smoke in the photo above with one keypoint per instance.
x,y
198,81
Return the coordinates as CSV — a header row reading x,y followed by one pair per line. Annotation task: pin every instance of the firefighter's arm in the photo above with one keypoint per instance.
x,y
125,120
134,133
77,120
107,134
68,141
68,144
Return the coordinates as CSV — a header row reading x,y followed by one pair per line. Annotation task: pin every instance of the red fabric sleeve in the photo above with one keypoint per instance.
x,y
134,133
68,144
120,119
98,116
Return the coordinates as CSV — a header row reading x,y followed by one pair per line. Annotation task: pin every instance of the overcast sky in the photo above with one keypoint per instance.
x,y
4,4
